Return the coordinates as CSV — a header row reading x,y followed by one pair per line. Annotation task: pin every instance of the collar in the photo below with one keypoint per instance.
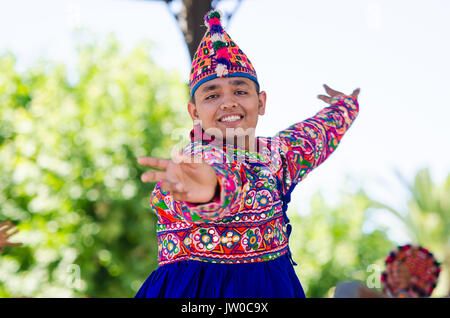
x,y
199,134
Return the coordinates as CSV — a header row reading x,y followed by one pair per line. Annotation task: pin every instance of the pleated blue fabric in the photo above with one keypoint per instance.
x,y
195,279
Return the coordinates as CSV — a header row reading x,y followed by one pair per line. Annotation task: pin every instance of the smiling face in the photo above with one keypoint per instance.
x,y
231,105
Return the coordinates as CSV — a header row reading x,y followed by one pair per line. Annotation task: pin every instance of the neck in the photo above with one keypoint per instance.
x,y
245,141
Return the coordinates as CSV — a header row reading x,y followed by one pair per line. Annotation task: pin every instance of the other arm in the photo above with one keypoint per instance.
x,y
307,144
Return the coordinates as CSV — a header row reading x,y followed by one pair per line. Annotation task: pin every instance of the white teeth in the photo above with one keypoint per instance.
x,y
231,118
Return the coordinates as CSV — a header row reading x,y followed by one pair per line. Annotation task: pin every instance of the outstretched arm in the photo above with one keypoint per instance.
x,y
307,144
193,191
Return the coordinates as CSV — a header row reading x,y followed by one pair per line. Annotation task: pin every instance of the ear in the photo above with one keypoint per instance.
x,y
192,111
262,96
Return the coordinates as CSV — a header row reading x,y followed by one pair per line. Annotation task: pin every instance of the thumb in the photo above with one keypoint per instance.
x,y
356,92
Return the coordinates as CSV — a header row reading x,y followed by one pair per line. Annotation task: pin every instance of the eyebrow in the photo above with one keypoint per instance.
x,y
234,82
208,88
237,82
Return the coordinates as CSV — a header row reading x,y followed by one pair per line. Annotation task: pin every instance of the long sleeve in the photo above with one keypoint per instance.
x,y
231,179
307,144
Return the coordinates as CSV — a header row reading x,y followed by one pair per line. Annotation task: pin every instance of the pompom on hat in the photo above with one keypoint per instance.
x,y
218,56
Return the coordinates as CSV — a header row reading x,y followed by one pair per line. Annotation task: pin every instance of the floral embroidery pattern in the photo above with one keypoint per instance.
x,y
278,234
171,246
230,239
268,235
252,240
206,239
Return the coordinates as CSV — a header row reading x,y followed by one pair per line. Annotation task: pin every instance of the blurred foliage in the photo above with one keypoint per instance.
x,y
69,178
329,246
426,219
70,181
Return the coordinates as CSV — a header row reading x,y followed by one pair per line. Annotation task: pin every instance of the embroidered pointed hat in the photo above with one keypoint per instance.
x,y
218,56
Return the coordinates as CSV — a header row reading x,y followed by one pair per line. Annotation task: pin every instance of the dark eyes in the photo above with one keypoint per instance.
x,y
212,96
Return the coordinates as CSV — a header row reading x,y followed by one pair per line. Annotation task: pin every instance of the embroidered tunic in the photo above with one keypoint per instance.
x,y
238,244
248,222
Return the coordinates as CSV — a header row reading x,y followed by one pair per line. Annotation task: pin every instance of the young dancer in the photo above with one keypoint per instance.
x,y
222,225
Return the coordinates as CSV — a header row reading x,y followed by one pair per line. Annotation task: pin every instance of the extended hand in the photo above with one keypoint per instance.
x,y
4,235
333,93
187,181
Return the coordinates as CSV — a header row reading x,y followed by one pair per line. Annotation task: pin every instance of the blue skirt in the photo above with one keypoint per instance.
x,y
195,279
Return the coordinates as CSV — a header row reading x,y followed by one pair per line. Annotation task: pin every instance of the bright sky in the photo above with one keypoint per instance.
x,y
397,52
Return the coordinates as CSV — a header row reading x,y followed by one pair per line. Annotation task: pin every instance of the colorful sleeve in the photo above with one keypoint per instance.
x,y
163,206
307,144
230,177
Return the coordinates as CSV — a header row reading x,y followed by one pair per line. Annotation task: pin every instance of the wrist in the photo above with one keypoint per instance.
x,y
341,97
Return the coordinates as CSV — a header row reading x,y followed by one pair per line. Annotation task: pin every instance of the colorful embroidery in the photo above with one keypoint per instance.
x,y
206,239
248,222
411,271
171,246
230,239
218,56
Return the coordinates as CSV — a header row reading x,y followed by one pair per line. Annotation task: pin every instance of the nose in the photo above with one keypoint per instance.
x,y
228,103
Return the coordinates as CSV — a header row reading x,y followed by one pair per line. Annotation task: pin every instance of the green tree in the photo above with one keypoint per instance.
x,y
426,219
329,246
69,177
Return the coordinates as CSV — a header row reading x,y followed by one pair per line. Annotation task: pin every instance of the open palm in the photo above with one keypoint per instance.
x,y
187,181
333,93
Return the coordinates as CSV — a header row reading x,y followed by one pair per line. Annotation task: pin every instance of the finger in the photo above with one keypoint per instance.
x,y
355,93
176,189
173,186
168,186
330,91
153,175
326,99
7,227
153,162
4,223
12,233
